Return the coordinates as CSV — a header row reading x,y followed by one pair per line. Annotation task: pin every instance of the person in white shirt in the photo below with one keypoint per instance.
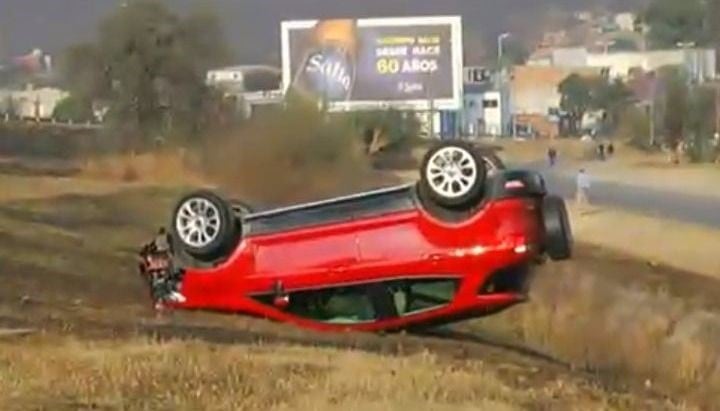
x,y
583,188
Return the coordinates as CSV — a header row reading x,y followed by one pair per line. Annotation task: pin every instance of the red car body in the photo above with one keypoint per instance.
x,y
386,237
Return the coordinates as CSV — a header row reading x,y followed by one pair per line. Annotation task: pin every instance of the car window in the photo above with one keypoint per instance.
x,y
414,296
336,305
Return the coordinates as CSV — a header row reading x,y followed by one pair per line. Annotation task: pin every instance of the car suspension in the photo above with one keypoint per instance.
x,y
159,273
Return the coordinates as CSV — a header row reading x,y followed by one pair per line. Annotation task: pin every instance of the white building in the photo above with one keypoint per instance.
x,y
246,78
251,85
625,21
699,63
486,105
32,103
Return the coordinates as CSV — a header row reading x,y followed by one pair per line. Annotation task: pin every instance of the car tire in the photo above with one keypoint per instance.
x,y
204,225
558,233
453,175
493,163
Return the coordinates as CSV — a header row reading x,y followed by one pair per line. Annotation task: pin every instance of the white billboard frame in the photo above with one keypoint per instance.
x,y
454,103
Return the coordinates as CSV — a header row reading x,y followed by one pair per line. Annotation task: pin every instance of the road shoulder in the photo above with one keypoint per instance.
x,y
680,245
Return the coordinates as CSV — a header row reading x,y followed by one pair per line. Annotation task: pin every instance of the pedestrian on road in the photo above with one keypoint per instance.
x,y
610,150
583,189
601,151
552,156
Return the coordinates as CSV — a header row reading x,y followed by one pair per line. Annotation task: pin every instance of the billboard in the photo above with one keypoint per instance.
x,y
359,64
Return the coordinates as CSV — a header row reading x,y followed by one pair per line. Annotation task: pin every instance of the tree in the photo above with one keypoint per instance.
x,y
612,98
623,44
672,22
576,99
700,123
386,129
514,52
675,107
635,124
149,64
73,109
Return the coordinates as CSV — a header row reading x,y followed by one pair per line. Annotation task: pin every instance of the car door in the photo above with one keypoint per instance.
x,y
321,247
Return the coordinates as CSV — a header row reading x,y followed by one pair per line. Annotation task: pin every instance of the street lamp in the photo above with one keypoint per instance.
x,y
500,46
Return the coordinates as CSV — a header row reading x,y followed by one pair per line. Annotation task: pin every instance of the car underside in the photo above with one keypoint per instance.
x,y
395,258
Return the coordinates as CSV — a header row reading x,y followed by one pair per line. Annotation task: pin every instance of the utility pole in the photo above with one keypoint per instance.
x,y
500,48
717,110
653,97
652,122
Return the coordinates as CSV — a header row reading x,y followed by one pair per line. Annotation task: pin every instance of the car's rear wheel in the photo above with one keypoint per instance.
x,y
453,175
558,233
204,225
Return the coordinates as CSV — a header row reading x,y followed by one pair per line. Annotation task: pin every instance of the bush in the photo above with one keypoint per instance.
x,y
288,155
387,130
73,109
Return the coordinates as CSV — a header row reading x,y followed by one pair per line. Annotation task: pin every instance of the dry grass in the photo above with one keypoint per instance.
x,y
686,246
603,324
303,157
64,373
167,167
26,188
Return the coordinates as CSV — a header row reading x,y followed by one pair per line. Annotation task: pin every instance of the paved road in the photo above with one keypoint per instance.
x,y
704,210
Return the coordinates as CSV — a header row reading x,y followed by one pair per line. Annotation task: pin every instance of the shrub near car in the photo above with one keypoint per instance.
x,y
459,243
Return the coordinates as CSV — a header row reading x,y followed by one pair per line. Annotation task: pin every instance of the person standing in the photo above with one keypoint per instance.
x,y
583,189
552,156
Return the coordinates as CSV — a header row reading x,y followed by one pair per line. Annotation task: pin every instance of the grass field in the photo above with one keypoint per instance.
x,y
68,271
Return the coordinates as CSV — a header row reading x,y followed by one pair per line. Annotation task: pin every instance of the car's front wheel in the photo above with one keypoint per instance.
x,y
204,225
453,175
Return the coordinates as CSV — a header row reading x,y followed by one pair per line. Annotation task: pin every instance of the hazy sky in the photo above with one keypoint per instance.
x,y
251,26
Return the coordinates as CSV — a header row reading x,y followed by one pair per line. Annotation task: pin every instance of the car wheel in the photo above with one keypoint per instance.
x,y
453,175
558,233
204,225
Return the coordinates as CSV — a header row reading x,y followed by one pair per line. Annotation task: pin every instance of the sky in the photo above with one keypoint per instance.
x,y
251,26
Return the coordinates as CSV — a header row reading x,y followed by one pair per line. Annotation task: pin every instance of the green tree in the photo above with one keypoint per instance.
x,y
576,99
612,98
700,123
149,64
672,22
675,106
514,52
635,125
73,109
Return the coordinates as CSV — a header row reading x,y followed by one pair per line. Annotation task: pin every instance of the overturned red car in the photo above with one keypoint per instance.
x,y
460,243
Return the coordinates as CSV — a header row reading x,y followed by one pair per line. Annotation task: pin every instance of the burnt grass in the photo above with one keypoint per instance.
x,y
68,266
